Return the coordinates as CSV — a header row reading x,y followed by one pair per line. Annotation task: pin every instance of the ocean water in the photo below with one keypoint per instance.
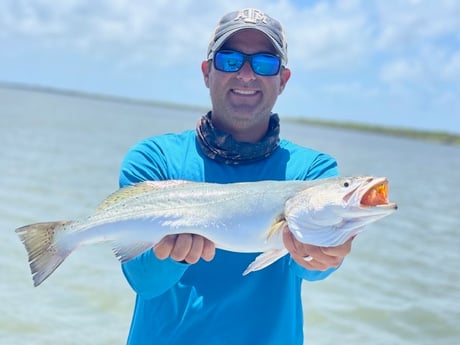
x,y
60,154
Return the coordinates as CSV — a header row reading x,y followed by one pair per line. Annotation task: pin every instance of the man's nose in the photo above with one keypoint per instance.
x,y
246,73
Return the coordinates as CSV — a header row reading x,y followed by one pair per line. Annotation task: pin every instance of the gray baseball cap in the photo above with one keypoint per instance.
x,y
249,18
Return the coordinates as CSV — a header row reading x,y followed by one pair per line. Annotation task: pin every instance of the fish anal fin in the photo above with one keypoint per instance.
x,y
136,189
125,253
265,259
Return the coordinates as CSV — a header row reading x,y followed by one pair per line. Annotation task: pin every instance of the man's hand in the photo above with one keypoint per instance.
x,y
185,247
313,257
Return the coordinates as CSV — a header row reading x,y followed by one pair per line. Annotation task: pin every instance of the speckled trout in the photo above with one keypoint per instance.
x,y
239,217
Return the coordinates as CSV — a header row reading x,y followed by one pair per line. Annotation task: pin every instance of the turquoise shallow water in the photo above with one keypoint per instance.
x,y
60,156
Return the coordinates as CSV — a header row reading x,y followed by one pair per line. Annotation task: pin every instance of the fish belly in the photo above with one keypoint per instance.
x,y
244,234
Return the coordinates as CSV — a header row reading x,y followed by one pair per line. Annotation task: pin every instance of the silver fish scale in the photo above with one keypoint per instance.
x,y
203,204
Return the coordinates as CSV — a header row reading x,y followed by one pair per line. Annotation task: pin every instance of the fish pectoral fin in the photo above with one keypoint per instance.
x,y
265,259
278,223
125,252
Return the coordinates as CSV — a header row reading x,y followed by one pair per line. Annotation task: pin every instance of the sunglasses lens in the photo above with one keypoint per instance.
x,y
262,64
265,64
228,61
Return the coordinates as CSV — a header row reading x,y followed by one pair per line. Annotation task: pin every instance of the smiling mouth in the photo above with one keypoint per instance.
x,y
244,92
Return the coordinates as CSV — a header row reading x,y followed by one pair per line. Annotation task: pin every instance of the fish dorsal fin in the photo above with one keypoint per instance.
x,y
136,189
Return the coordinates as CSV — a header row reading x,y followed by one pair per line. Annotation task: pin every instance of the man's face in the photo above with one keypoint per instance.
x,y
242,101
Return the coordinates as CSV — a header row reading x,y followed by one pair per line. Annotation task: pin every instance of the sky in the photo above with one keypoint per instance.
x,y
390,62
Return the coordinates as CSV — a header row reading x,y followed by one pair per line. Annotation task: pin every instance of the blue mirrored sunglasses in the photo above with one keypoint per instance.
x,y
264,64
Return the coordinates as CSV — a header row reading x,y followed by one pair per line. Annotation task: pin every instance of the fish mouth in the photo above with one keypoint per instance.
x,y
375,194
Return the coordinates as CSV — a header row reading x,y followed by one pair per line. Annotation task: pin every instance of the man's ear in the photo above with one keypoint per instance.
x,y
205,67
285,74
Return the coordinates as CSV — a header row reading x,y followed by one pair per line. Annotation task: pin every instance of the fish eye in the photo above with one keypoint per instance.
x,y
346,184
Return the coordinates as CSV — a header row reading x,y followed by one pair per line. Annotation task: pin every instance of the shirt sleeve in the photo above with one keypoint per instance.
x,y
310,275
148,275
144,162
323,166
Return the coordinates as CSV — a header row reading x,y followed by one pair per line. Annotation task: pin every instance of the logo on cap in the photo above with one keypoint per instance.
x,y
252,15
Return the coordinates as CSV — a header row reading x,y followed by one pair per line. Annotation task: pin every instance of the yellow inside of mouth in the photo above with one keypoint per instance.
x,y
377,195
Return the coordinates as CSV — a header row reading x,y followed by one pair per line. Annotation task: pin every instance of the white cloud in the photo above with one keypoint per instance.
x,y
329,35
118,28
402,70
352,90
405,25
325,35
451,70
344,49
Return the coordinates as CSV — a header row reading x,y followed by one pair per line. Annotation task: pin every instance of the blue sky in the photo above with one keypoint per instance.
x,y
392,62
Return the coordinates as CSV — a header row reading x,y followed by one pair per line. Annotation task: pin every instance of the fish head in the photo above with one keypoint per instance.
x,y
338,206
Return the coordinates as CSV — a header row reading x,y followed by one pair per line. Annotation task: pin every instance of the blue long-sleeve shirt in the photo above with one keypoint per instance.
x,y
211,302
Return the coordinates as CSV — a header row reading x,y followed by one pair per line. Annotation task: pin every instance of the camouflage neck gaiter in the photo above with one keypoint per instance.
x,y
221,146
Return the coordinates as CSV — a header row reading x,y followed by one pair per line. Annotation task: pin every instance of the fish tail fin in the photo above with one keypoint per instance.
x,y
44,253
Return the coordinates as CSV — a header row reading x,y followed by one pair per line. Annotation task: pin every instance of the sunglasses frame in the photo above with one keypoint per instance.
x,y
249,58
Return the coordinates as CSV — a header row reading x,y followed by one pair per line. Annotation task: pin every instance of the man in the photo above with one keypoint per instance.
x,y
188,292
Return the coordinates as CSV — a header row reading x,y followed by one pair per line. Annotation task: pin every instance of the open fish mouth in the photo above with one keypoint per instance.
x,y
375,193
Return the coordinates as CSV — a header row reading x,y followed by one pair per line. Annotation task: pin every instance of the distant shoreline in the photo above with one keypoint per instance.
x,y
98,96
434,136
